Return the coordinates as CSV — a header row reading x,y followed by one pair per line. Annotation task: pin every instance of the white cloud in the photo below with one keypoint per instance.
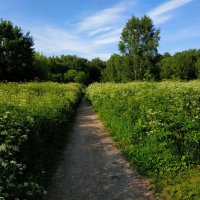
x,y
104,18
109,38
161,19
50,39
88,38
103,56
168,6
92,35
182,34
161,14
100,30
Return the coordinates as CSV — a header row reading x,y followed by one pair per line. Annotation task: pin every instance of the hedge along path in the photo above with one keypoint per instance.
x,y
93,168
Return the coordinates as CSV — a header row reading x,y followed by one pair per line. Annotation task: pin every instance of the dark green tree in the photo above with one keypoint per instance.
x,y
57,65
70,75
139,42
166,65
74,62
116,69
41,67
16,53
197,67
80,77
184,65
96,66
181,66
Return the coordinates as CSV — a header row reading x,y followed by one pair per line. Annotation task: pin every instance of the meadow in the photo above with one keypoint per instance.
x,y
31,115
157,126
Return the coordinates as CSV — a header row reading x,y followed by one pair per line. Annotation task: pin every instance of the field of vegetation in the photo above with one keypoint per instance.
x,y
30,115
157,127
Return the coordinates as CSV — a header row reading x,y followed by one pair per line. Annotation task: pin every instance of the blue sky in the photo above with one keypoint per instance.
x,y
91,28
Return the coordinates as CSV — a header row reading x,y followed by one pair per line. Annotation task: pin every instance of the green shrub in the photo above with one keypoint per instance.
x,y
29,116
155,124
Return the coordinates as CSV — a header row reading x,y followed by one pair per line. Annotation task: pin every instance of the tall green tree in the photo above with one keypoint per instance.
x,y
166,65
184,64
181,66
197,67
16,53
116,69
41,67
95,69
139,42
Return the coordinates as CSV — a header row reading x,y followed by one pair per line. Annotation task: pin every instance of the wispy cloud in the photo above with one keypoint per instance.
x,y
162,18
49,39
108,38
91,55
182,34
94,34
162,13
100,30
103,19
88,38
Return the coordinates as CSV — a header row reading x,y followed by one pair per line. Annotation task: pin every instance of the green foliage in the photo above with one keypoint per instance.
x,y
197,67
116,70
139,37
139,60
156,125
68,69
185,187
29,117
56,77
167,68
139,42
80,77
183,65
16,53
19,62
70,75
41,67
96,66
74,62
138,45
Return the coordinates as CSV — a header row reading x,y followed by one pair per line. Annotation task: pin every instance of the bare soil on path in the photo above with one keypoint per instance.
x,y
93,168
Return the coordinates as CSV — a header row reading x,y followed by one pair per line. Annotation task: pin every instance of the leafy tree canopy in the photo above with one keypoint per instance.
x,y
16,53
139,42
139,37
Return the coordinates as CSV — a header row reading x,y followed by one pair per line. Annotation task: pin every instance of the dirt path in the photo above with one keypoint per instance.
x,y
93,168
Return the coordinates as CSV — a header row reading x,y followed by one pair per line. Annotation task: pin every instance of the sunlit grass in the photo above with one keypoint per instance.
x,y
157,127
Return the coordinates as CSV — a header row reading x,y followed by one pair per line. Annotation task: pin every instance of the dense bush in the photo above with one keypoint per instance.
x,y
156,125
182,66
29,117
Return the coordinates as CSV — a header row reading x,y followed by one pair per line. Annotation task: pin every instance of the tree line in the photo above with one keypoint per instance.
x,y
183,65
139,59
20,62
67,68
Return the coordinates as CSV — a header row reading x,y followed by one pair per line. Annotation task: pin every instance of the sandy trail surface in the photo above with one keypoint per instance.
x,y
93,168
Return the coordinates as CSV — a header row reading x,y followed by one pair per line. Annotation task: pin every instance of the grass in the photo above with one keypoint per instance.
x,y
30,116
157,127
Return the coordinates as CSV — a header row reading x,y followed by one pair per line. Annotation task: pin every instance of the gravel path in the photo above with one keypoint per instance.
x,y
93,168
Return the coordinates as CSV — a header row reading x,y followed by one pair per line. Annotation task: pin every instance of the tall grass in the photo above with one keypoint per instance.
x,y
157,125
30,115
